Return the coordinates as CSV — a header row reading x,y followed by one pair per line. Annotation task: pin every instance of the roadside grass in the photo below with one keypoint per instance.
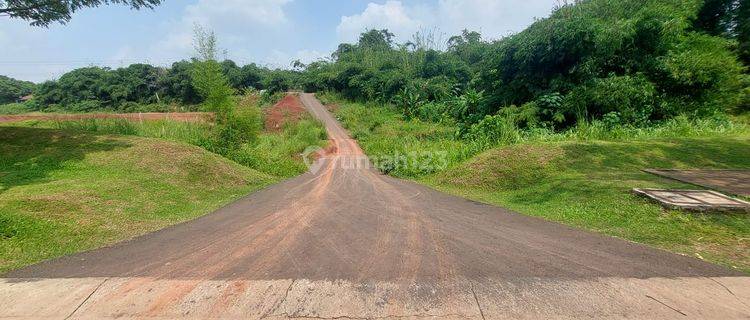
x,y
280,153
580,178
64,191
274,153
14,108
31,107
383,134
432,146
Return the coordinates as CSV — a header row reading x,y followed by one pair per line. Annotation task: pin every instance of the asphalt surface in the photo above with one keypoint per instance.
x,y
344,235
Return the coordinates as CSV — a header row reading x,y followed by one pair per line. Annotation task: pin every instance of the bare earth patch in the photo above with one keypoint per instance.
x,y
288,109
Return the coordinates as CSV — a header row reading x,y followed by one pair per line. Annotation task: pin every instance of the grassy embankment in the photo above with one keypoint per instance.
x,y
582,178
77,185
63,191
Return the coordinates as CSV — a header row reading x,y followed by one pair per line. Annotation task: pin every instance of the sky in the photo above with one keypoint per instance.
x,y
272,33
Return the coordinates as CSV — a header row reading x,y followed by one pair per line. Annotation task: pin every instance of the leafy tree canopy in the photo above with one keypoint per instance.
x,y
12,89
44,12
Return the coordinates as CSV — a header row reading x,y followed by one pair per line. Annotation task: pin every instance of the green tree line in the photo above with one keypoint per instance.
x,y
628,62
631,62
129,88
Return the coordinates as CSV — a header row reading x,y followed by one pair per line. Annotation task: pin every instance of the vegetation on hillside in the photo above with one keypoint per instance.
x,y
581,177
412,148
11,90
65,191
635,63
628,62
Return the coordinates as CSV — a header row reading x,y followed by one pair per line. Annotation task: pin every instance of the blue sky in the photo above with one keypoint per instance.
x,y
269,32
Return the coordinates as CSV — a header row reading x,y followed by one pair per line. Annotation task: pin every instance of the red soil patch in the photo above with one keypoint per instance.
x,y
289,108
176,116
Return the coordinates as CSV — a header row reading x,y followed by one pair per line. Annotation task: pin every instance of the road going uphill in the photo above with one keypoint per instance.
x,y
345,241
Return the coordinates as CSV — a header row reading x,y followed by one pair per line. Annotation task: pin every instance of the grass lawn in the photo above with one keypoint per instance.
x,y
584,183
64,191
587,185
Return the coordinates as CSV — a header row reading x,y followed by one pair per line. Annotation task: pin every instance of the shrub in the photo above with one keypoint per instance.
x,y
12,89
15,108
702,75
632,98
494,130
85,106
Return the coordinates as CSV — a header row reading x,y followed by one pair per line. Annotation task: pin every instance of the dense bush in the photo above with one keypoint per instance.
x,y
630,62
11,89
627,62
140,86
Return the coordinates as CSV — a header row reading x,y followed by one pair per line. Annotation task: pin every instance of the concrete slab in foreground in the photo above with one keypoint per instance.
x,y
697,200
529,298
731,181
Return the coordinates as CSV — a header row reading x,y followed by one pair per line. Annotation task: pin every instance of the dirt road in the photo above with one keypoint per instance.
x,y
347,242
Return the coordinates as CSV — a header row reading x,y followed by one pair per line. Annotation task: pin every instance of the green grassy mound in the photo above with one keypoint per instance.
x,y
587,185
64,191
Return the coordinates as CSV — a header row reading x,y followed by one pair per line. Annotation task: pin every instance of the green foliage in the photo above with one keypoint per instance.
x,y
587,185
384,132
279,153
630,62
65,191
44,12
636,58
15,108
743,30
278,81
213,87
630,98
274,153
11,90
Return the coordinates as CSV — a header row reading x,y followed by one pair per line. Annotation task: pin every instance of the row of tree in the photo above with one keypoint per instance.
x,y
629,61
12,90
92,88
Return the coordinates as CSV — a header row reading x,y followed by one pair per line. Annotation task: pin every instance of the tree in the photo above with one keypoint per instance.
x,y
250,76
716,17
208,79
743,30
44,12
376,39
80,85
176,84
12,89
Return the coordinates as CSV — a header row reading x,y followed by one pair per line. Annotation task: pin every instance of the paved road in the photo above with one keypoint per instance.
x,y
344,241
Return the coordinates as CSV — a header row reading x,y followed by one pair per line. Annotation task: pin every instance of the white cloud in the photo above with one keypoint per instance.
x,y
239,12
234,21
494,18
281,59
392,15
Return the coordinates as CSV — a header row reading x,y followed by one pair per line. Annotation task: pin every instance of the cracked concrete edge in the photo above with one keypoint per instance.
x,y
88,298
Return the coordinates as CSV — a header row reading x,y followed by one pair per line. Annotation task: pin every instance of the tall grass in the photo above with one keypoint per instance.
x,y
280,154
275,153
14,108
384,132
195,133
